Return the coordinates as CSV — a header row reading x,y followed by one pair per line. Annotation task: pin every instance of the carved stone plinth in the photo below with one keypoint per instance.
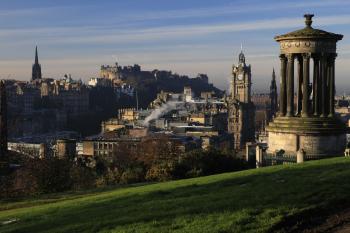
x,y
318,137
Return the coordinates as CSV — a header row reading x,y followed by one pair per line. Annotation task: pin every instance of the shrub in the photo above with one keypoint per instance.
x,y
161,171
132,175
47,175
112,176
82,177
52,174
199,163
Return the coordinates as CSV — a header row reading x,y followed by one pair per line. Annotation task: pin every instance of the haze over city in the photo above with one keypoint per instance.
x,y
187,37
174,116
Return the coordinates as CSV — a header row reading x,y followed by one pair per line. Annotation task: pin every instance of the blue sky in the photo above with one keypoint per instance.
x,y
187,37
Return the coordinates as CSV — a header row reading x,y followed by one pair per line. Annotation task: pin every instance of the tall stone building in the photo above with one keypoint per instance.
x,y
313,126
3,122
36,70
273,97
241,110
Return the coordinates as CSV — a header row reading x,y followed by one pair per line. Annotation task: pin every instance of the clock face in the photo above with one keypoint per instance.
x,y
240,77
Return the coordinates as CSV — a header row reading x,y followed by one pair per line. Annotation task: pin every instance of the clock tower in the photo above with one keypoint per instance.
x,y
241,111
241,80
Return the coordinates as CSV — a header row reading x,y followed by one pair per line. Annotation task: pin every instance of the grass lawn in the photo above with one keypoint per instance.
x,y
257,200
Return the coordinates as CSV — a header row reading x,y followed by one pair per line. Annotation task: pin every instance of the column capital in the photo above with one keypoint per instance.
x,y
290,56
332,56
324,56
282,57
306,55
316,56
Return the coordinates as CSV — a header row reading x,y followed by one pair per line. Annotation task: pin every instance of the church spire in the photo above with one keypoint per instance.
x,y
273,86
36,55
36,70
273,96
241,56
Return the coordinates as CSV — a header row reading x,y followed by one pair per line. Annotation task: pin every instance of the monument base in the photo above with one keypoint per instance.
x,y
318,137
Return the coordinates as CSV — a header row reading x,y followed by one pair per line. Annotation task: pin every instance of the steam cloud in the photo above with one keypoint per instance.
x,y
158,112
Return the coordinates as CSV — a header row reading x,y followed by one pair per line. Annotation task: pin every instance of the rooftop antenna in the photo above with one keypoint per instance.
x,y
241,47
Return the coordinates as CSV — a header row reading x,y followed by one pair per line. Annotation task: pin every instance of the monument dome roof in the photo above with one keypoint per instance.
x,y
309,32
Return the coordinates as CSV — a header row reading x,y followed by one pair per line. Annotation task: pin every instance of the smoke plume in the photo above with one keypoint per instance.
x,y
160,111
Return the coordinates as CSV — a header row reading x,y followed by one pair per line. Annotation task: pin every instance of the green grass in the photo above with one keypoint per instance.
x,y
248,201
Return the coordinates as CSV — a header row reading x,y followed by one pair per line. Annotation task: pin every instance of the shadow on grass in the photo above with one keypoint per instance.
x,y
263,200
24,202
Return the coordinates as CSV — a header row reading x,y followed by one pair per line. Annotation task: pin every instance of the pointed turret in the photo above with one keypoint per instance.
x,y
36,71
241,56
273,96
36,55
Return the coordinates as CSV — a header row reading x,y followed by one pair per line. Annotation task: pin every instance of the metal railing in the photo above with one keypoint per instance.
x,y
278,159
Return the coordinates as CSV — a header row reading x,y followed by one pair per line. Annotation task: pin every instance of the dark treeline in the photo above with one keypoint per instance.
x,y
160,161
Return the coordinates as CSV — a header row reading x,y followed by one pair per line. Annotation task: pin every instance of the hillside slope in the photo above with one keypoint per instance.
x,y
259,200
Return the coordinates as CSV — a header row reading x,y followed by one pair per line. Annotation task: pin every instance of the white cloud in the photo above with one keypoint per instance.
x,y
232,8
87,34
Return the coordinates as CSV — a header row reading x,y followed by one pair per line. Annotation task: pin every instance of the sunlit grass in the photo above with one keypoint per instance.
x,y
247,201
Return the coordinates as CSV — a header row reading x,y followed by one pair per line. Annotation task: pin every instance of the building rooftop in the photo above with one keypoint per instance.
x,y
309,32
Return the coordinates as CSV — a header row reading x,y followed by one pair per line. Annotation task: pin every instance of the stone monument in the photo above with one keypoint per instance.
x,y
310,124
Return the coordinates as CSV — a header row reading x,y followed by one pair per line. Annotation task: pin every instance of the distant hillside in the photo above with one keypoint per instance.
x,y
149,83
290,198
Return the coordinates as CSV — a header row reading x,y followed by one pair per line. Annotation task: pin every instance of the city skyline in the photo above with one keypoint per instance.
x,y
183,36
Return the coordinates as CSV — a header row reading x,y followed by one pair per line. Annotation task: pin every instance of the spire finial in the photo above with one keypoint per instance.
x,y
241,57
308,20
36,55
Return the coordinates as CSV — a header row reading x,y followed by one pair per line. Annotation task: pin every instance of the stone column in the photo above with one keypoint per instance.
x,y
331,85
316,86
290,85
259,156
300,83
300,156
306,74
323,78
42,151
283,83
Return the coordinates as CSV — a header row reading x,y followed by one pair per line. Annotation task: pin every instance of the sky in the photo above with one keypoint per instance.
x,y
185,36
